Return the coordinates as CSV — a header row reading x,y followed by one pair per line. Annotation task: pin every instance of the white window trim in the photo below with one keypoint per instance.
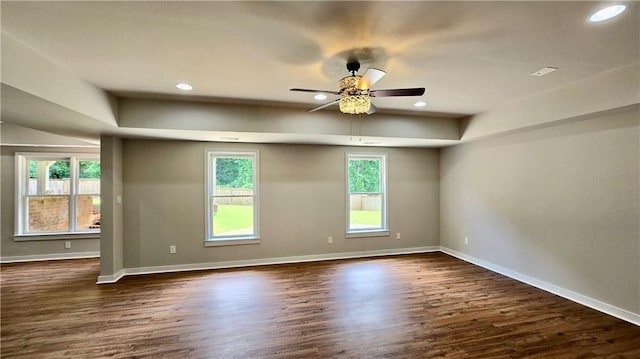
x,y
22,186
210,240
55,236
368,232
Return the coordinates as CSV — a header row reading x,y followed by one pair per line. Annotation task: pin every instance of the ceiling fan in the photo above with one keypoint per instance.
x,y
356,93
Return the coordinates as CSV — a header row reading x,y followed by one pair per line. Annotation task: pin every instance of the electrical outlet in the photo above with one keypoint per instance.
x,y
398,235
466,240
172,249
67,244
330,240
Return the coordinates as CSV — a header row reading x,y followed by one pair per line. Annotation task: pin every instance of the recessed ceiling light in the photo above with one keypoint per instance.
x,y
320,97
420,104
184,86
607,13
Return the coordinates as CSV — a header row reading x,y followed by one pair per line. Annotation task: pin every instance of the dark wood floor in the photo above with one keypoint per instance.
x,y
413,306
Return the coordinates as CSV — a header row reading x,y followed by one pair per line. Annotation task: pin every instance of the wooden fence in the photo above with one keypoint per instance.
x,y
61,186
234,201
366,202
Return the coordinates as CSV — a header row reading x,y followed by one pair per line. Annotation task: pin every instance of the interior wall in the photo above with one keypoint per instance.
x,y
10,248
559,204
111,206
302,202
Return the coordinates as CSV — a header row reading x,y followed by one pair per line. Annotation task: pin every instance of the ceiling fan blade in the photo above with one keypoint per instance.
x,y
316,91
372,109
417,91
370,77
323,106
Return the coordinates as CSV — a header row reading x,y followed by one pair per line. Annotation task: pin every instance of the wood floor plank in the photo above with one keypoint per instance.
x,y
410,306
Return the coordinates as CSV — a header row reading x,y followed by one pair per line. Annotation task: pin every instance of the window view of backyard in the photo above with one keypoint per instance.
x,y
232,190
50,192
233,198
365,194
232,219
365,211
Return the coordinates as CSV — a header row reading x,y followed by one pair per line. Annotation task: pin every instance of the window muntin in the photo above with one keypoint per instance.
x,y
366,193
232,195
57,193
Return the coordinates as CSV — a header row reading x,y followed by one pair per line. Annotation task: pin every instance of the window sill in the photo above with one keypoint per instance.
x,y
231,242
55,236
369,233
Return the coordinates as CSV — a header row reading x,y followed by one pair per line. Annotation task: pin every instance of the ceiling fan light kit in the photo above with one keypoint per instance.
x,y
355,93
353,101
355,104
348,82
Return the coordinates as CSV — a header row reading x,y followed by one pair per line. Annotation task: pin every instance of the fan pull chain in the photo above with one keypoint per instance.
x,y
358,121
351,133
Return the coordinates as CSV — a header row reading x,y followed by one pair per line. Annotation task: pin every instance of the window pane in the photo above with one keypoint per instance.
x,y
232,216
365,211
48,214
88,212
49,177
89,177
364,175
234,176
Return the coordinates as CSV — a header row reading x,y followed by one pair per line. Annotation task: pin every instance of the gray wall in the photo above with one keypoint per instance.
x,y
10,248
302,202
559,204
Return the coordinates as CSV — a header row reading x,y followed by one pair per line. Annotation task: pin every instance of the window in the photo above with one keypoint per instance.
x,y
366,193
232,197
57,193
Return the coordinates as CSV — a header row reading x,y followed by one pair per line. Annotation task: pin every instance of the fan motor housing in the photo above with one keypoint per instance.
x,y
353,66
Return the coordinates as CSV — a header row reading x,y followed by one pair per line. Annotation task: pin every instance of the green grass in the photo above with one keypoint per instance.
x,y
234,219
230,219
372,218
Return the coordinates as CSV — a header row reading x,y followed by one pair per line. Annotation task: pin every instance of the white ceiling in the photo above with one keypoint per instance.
x,y
472,57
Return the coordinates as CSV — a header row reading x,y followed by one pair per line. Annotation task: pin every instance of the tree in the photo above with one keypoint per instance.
x,y
364,176
234,172
33,169
59,169
89,169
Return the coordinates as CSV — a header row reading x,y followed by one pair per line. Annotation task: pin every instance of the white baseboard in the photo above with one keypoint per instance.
x,y
551,288
112,278
277,260
49,257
